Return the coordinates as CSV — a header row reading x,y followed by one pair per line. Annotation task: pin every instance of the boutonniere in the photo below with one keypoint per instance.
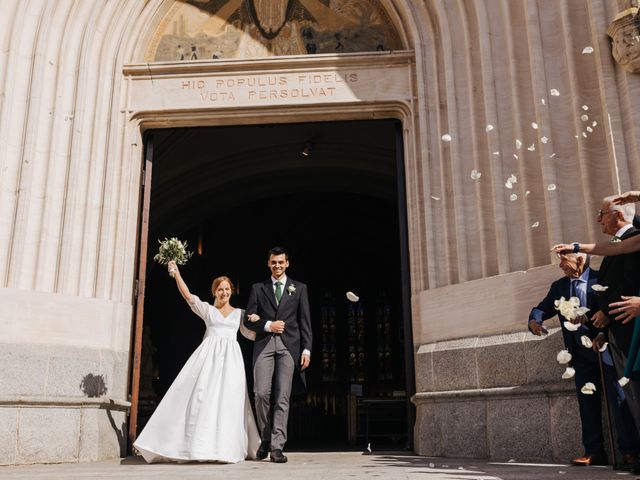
x,y
291,289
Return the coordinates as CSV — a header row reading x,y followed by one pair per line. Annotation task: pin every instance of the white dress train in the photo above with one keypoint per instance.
x,y
206,414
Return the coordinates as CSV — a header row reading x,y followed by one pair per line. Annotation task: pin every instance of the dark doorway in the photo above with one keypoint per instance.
x,y
328,192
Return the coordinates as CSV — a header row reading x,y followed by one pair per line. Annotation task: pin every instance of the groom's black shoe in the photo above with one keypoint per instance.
x,y
263,450
278,457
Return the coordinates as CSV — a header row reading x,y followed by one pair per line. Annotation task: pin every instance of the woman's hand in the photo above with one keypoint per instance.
x,y
254,317
626,310
627,197
172,267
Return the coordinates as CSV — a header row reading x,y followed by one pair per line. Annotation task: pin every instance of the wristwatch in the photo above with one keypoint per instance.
x,y
576,247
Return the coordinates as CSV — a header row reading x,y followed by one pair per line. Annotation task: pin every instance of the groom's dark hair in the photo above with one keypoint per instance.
x,y
278,251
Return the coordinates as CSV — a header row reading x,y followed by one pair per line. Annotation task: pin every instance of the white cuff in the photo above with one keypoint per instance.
x,y
306,352
267,326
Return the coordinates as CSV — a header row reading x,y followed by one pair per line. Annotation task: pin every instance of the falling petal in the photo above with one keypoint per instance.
x,y
584,118
563,356
512,179
572,327
446,137
623,381
589,129
489,128
598,288
554,92
518,144
534,125
535,225
513,197
551,187
531,147
585,107
552,155
584,134
515,156
594,123
352,297
544,139
475,174
588,388
508,184
587,50
603,347
527,193
496,153
569,373
435,198
586,341
542,101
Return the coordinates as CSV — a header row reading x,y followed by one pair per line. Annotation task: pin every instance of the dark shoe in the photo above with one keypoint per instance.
x,y
263,450
591,459
278,457
628,461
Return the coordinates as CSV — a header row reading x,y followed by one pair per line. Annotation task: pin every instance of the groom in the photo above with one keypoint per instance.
x,y
282,348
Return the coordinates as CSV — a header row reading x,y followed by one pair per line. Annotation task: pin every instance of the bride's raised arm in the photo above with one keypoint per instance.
x,y
182,287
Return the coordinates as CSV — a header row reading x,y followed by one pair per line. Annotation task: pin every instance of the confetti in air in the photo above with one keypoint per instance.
x,y
446,137
554,92
587,50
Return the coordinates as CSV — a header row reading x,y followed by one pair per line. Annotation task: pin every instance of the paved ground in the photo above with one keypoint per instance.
x,y
318,466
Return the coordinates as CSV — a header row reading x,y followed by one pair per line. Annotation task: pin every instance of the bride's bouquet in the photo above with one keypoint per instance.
x,y
172,249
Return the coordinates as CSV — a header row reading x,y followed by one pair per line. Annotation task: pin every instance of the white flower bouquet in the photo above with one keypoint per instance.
x,y
172,249
570,309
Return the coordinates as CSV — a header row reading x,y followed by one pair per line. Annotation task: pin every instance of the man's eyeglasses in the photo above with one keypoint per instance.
x,y
604,212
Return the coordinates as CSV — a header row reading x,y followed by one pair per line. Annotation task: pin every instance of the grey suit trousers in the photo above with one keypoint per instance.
x,y
274,358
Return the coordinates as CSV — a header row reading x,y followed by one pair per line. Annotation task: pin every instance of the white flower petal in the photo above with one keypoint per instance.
x,y
552,155
586,341
623,381
352,297
589,129
598,288
594,124
512,179
584,134
542,101
582,311
527,193
588,388
544,139
534,125
475,174
569,373
531,147
584,118
496,153
603,347
488,128
515,156
513,197
554,92
572,327
508,184
518,144
587,50
446,137
585,107
435,198
551,187
563,356
535,225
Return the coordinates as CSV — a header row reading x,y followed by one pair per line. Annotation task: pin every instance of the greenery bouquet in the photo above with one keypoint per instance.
x,y
172,249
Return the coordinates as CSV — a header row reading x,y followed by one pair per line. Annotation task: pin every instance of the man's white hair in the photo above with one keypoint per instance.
x,y
628,210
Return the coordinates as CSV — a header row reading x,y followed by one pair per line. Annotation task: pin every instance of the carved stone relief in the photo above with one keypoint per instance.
x,y
625,35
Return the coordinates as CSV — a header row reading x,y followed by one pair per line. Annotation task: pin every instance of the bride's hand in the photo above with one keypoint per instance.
x,y
253,317
172,268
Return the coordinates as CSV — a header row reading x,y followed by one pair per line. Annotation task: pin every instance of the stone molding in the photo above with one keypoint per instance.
x,y
25,401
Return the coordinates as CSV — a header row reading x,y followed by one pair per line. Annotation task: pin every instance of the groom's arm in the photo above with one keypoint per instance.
x,y
304,320
252,307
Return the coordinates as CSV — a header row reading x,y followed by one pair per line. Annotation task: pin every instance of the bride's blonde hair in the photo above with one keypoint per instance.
x,y
216,283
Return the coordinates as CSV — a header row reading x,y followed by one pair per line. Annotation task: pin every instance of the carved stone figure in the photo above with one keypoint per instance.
x,y
625,34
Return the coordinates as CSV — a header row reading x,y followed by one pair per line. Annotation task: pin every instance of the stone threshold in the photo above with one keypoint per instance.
x,y
524,391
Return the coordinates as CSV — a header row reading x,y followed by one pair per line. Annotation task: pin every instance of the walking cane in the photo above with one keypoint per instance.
x,y
606,407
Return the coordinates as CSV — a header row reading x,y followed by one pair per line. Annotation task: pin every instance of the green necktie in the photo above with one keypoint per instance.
x,y
278,291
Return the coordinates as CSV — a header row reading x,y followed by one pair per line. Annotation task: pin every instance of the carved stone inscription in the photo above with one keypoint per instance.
x,y
254,88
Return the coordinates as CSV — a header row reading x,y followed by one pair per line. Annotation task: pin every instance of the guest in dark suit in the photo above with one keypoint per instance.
x,y
578,280
282,349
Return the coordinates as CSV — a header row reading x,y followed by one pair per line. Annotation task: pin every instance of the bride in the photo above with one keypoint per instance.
x,y
205,415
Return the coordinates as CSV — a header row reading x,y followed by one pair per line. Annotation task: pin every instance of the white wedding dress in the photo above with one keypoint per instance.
x,y
206,414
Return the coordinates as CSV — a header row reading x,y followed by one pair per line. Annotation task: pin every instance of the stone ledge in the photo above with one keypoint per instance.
x,y
534,391
64,402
